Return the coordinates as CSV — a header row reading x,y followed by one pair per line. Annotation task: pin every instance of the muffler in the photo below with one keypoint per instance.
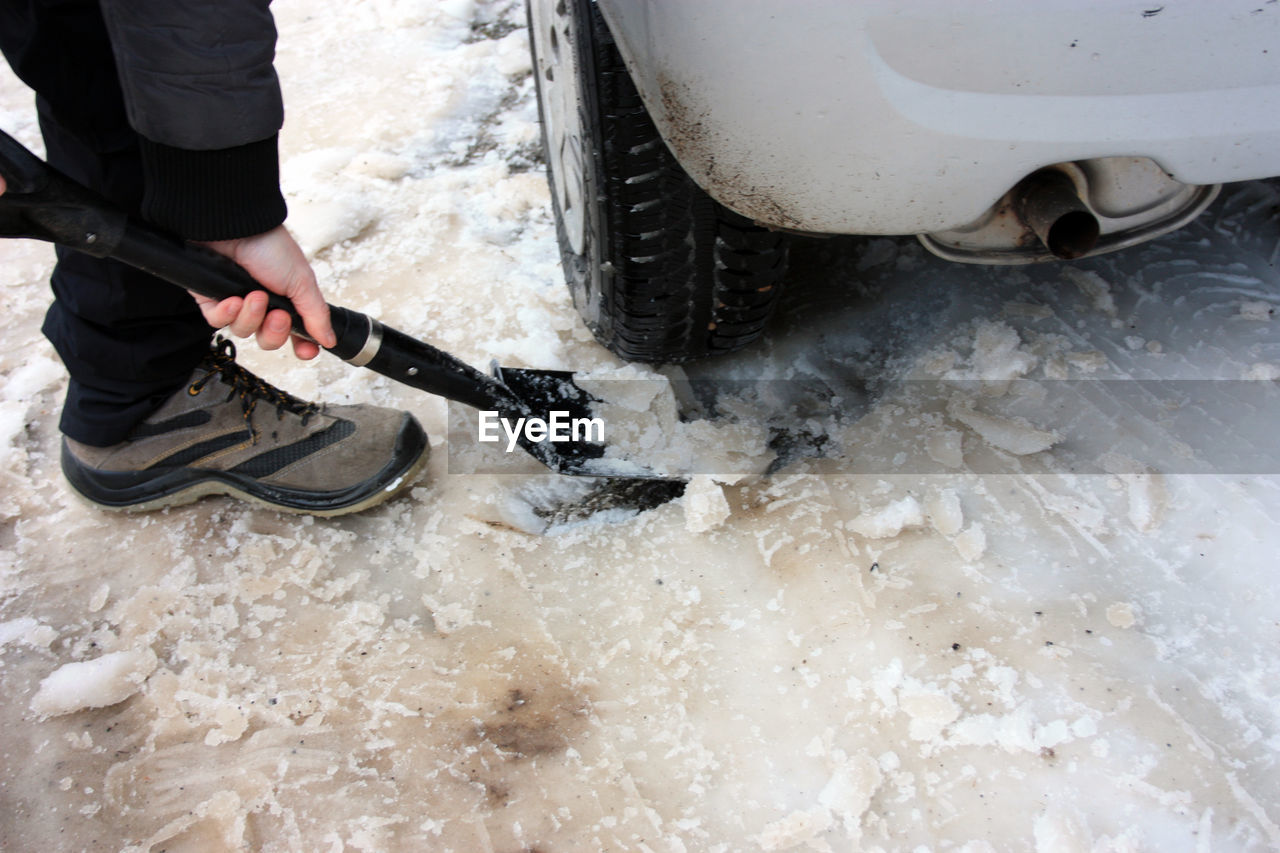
x,y
1048,204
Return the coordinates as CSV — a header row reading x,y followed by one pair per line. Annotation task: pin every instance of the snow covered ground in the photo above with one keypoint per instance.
x,y
988,562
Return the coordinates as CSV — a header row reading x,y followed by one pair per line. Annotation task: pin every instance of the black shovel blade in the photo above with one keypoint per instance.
x,y
555,394
547,390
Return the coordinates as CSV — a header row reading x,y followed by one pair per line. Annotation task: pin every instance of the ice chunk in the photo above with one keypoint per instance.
x,y
318,225
450,618
998,355
930,713
27,631
12,423
1014,436
889,520
797,828
13,460
460,10
1262,370
34,375
95,683
99,598
325,206
849,790
511,55
705,506
972,543
944,511
630,386
642,428
945,446
729,452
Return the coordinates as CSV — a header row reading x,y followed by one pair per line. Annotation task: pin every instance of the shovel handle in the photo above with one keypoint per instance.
x,y
41,203
22,171
204,271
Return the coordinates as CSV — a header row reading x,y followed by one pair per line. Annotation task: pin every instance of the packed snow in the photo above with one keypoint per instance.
x,y
968,558
96,683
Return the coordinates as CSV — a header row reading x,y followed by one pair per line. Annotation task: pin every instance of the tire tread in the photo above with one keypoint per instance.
x,y
676,276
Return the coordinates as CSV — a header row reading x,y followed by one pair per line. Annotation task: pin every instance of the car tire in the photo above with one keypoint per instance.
x,y
659,271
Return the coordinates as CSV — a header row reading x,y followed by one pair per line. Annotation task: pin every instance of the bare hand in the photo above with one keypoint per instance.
x,y
276,261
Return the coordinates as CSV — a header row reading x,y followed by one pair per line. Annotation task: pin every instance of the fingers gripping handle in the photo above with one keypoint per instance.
x,y
207,273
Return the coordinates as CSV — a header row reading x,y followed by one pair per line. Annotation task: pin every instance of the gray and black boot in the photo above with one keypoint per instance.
x,y
227,432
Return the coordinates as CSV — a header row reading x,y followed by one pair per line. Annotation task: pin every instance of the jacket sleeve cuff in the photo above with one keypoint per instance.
x,y
213,195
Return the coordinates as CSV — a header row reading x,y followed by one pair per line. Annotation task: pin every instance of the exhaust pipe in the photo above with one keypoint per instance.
x,y
1048,204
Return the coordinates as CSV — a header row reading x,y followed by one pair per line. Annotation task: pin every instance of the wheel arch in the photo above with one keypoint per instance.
x,y
673,84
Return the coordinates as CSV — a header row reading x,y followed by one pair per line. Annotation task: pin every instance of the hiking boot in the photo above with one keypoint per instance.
x,y
227,432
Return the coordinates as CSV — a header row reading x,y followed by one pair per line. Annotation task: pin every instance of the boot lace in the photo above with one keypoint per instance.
x,y
221,362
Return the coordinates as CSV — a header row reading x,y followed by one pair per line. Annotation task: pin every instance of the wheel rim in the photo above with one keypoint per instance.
x,y
560,84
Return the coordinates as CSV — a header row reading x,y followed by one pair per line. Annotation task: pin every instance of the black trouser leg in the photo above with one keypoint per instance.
x,y
129,340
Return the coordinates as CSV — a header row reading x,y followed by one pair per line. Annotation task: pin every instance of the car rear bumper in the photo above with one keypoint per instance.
x,y
842,117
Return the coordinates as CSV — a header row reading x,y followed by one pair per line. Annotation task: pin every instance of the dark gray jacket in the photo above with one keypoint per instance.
x,y
197,74
201,90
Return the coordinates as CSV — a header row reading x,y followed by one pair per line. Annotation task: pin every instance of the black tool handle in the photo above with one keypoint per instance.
x,y
23,171
204,271
43,204
362,340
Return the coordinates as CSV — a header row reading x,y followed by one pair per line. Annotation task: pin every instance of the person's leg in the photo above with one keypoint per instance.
x,y
128,340
153,416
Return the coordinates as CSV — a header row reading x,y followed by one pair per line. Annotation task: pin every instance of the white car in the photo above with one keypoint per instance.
x,y
686,138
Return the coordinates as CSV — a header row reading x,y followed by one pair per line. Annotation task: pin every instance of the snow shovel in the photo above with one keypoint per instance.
x,y
43,204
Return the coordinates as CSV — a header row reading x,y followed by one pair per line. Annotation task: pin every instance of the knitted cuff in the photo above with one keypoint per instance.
x,y
213,195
